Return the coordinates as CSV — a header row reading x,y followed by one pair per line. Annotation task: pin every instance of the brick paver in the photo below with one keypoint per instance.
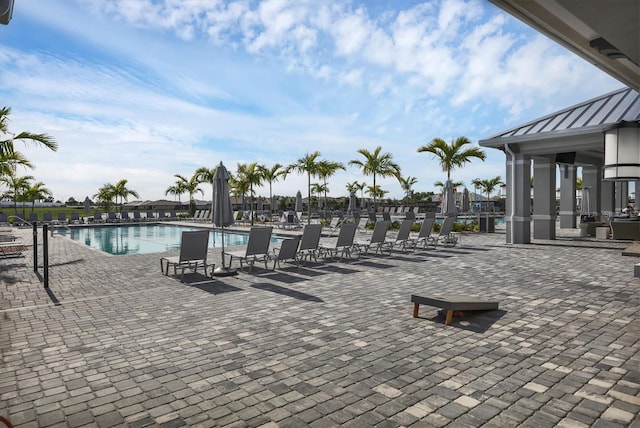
x,y
329,344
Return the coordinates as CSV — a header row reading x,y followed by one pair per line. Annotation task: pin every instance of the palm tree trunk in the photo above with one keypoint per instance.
x,y
309,195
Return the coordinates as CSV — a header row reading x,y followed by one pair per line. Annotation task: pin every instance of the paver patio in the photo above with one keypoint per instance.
x,y
332,344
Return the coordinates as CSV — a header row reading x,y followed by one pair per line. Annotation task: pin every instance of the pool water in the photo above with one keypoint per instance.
x,y
146,238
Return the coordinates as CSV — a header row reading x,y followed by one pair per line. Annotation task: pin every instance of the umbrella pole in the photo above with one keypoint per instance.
x,y
223,270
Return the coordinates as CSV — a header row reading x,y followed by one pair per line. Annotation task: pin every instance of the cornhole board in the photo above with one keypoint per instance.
x,y
453,303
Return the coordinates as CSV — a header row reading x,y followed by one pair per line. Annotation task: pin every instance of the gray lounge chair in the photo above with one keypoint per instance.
x,y
445,236
377,241
136,216
424,235
62,218
288,250
112,217
334,225
47,218
149,216
33,218
344,245
362,225
310,242
97,217
257,248
124,216
75,218
403,240
194,246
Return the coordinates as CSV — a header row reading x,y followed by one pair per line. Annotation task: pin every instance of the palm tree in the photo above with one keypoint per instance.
x,y
270,175
325,170
452,155
376,192
37,192
205,175
121,191
306,164
376,163
105,195
175,190
250,174
18,186
407,184
489,185
318,188
190,186
9,162
7,144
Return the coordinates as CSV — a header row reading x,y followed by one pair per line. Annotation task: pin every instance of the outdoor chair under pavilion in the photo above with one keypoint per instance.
x,y
377,242
310,242
257,248
288,250
194,246
344,244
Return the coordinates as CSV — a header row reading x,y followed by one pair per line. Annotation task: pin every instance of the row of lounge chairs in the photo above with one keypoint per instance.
x,y
299,249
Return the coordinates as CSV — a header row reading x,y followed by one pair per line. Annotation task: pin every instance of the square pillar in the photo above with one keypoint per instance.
x,y
544,198
592,180
518,198
568,211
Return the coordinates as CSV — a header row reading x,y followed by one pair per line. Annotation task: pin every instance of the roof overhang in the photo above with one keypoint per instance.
x,y
604,32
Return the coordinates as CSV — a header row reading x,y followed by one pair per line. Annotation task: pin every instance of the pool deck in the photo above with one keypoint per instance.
x,y
116,343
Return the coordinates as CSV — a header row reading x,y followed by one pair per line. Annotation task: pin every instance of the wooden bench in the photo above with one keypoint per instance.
x,y
452,303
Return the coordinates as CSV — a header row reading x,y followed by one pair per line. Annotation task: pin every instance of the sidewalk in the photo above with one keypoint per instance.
x,y
325,345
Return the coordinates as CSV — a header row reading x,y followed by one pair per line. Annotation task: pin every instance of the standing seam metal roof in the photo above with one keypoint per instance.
x,y
608,109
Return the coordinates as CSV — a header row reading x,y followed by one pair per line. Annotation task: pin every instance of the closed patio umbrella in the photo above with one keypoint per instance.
x,y
87,204
274,204
449,201
298,206
222,211
465,200
352,203
260,206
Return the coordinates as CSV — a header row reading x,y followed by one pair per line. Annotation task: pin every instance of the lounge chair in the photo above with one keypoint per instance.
x,y
161,215
257,248
445,235
334,225
62,218
403,240
47,218
288,250
194,246
12,249
124,216
97,217
344,245
172,215
4,219
362,225
424,235
112,217
310,242
136,216
33,218
150,216
75,218
378,239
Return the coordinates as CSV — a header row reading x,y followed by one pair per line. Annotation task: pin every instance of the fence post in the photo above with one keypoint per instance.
x,y
35,247
45,255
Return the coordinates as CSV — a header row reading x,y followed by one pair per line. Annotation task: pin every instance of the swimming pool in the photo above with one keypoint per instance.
x,y
145,238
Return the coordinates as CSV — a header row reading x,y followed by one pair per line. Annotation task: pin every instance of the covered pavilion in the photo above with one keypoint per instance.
x,y
606,34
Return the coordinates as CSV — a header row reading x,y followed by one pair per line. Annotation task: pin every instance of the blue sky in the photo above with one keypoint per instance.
x,y
144,90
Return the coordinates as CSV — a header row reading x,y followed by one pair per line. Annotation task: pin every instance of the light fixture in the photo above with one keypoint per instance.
x,y
606,48
6,10
622,152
